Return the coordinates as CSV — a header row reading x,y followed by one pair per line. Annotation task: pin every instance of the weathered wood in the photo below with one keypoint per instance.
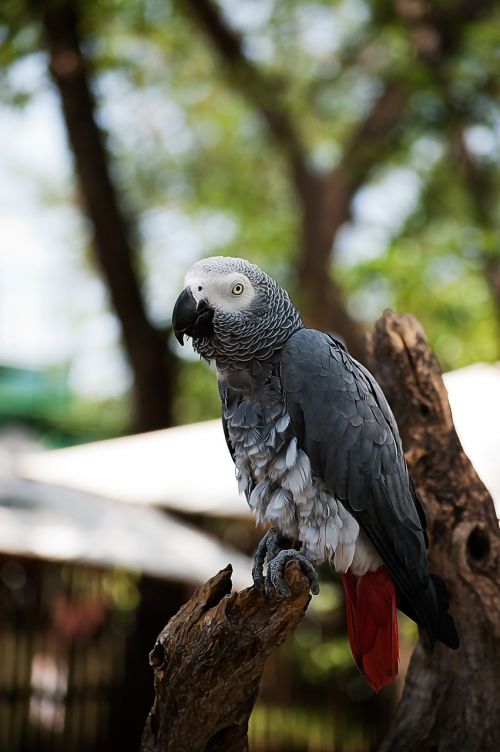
x,y
450,700
208,663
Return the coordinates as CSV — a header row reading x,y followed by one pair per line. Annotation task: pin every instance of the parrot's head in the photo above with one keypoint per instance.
x,y
233,311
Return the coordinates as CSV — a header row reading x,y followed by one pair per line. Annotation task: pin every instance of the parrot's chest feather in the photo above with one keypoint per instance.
x,y
276,474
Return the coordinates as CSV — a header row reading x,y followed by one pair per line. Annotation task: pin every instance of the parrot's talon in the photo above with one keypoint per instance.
x,y
273,583
270,591
276,568
258,583
268,548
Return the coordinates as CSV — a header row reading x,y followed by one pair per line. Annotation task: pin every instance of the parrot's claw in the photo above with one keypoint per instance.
x,y
275,573
267,548
273,583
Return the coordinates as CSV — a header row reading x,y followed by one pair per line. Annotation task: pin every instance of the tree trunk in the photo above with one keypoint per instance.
x,y
450,700
324,206
208,662
151,364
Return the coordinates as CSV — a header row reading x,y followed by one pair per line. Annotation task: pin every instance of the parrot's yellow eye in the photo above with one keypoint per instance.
x,y
237,289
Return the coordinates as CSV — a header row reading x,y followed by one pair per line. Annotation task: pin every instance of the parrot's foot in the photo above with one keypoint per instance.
x,y
268,548
277,559
275,581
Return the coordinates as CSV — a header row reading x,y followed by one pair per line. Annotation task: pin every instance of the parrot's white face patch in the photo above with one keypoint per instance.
x,y
230,292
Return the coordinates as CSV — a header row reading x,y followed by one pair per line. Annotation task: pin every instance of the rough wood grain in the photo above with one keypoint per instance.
x,y
450,700
208,663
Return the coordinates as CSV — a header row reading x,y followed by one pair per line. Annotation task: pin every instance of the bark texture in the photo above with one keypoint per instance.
x,y
152,366
208,662
450,700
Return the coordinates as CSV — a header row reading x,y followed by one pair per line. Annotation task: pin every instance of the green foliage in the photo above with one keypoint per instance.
x,y
42,399
446,290
296,728
198,399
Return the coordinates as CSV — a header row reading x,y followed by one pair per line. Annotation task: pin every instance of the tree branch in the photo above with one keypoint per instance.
x,y
326,202
449,701
437,29
436,35
326,206
152,366
261,90
208,662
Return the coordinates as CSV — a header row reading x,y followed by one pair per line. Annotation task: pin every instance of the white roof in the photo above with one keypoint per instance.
x,y
189,468
474,394
57,524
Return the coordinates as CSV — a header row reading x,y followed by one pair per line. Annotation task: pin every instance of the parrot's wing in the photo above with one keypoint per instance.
x,y
389,417
344,424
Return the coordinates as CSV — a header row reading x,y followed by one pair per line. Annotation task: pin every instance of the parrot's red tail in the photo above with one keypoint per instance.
x,y
372,624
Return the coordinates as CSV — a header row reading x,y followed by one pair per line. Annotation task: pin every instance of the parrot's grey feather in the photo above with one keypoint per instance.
x,y
347,430
275,473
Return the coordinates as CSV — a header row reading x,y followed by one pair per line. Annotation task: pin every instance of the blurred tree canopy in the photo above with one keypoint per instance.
x,y
351,147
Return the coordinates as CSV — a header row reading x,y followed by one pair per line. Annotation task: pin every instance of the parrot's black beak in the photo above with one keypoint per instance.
x,y
191,318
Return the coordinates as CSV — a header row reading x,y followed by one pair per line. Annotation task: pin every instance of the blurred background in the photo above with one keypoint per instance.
x,y
349,147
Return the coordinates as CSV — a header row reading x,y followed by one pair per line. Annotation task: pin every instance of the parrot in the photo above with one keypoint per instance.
x,y
318,455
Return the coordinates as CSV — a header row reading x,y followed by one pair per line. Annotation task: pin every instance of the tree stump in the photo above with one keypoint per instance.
x,y
450,700
208,662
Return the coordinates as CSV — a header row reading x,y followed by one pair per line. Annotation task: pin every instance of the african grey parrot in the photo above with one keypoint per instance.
x,y
318,456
